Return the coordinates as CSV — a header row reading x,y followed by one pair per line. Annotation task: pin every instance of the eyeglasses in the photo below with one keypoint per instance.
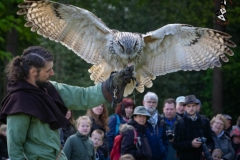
x,y
218,123
153,102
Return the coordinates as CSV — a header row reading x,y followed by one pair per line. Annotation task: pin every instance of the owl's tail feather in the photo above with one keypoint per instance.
x,y
100,72
129,88
144,78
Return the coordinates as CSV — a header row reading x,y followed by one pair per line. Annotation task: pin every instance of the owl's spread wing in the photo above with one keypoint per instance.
x,y
177,47
76,28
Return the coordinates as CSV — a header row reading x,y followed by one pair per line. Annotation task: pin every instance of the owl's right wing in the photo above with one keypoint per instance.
x,y
177,47
76,28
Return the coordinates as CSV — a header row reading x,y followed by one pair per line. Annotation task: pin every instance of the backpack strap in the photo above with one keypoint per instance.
x,y
117,124
135,137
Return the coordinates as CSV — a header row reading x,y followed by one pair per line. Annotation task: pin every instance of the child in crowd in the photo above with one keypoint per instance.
x,y
127,157
217,154
97,138
79,145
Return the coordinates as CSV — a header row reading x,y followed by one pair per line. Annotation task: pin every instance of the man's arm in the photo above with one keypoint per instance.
x,y
80,98
17,128
77,98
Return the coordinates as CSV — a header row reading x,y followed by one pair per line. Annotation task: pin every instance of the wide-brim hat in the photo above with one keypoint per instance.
x,y
191,99
140,110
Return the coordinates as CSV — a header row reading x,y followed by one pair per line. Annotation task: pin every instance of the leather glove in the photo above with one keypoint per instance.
x,y
113,87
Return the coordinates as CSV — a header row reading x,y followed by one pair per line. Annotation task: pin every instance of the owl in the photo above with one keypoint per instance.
x,y
171,48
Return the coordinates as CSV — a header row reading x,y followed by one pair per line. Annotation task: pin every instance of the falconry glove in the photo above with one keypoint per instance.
x,y
113,87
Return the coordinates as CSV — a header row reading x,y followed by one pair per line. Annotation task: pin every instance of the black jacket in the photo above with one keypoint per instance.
x,y
185,135
3,147
143,152
224,143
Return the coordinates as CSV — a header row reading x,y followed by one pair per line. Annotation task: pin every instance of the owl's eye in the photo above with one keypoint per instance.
x,y
121,46
135,45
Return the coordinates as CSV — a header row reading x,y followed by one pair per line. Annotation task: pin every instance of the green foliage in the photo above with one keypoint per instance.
x,y
5,55
137,16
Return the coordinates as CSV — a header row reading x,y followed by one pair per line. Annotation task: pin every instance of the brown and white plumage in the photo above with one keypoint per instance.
x,y
168,49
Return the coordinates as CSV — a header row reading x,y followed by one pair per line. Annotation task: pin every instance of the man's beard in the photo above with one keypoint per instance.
x,y
41,84
151,110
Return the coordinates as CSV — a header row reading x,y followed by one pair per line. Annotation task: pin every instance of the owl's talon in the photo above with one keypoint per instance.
x,y
135,79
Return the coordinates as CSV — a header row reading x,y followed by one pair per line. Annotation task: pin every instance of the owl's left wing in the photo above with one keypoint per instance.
x,y
177,47
76,28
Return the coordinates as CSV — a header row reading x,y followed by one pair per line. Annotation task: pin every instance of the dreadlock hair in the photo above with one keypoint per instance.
x,y
34,56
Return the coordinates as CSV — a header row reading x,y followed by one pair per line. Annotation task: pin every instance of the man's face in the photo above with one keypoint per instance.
x,y
191,109
198,107
180,108
169,110
229,122
45,73
150,104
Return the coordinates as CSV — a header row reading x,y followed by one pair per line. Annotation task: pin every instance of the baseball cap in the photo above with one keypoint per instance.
x,y
180,99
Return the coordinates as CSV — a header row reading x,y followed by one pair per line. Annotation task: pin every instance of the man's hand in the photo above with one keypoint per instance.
x,y
195,143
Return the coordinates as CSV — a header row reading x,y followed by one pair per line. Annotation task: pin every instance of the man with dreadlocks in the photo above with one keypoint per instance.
x,y
35,107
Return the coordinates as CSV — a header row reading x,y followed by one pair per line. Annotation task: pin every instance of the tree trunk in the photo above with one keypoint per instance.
x,y
11,46
217,92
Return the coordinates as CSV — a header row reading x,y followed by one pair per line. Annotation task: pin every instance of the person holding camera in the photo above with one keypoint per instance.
x,y
192,134
169,117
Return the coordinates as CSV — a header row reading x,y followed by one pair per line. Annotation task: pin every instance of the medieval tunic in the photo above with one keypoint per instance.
x,y
35,135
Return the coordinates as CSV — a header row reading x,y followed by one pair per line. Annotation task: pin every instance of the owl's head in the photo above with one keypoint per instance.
x,y
127,45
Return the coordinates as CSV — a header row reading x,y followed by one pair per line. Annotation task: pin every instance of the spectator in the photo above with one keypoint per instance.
x,y
36,107
155,129
127,157
238,122
3,142
123,111
69,130
141,150
169,118
221,140
229,124
217,154
179,105
97,138
199,105
188,129
99,118
235,139
79,145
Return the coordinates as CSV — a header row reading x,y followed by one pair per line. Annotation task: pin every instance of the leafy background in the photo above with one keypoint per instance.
x,y
135,16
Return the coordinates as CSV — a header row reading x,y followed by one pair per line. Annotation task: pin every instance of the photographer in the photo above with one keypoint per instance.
x,y
169,117
189,129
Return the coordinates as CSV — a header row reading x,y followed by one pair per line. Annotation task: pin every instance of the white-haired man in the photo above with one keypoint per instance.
x,y
155,131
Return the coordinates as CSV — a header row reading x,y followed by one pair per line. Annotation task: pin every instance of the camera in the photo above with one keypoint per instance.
x,y
170,134
205,150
